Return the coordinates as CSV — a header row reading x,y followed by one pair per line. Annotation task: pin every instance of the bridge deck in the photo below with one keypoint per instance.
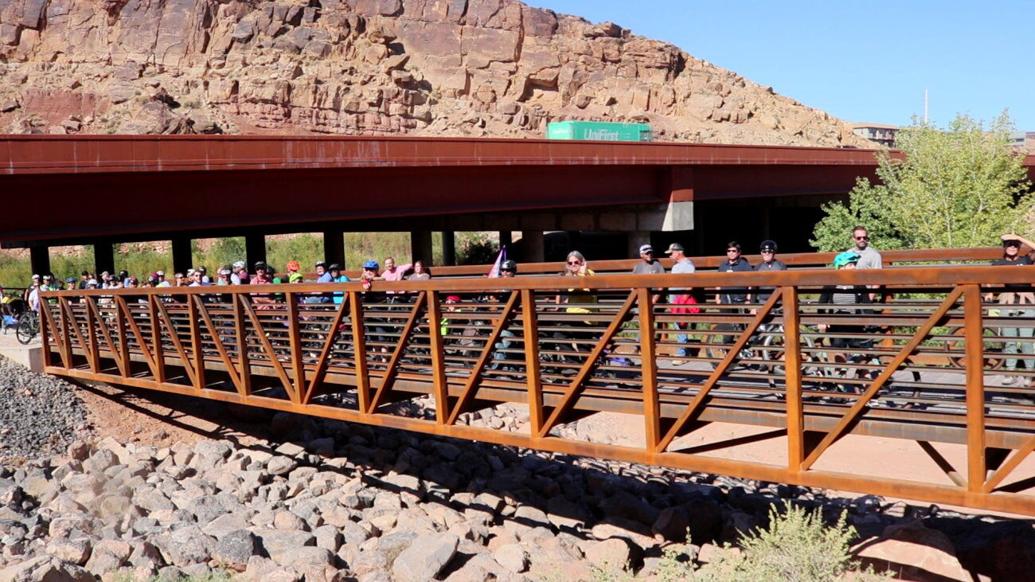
x,y
926,365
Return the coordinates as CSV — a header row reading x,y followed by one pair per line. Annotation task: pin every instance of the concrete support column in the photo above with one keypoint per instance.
x,y
533,246
181,255
334,247
39,258
448,247
506,239
420,246
103,257
636,239
254,249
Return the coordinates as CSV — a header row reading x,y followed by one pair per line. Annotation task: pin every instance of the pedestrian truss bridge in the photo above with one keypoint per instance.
x,y
928,363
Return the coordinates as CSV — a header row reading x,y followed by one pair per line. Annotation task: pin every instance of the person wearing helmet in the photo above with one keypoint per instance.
x,y
322,276
239,273
337,277
262,273
769,263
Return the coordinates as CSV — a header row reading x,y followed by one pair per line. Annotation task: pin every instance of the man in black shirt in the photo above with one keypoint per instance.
x,y
735,263
769,263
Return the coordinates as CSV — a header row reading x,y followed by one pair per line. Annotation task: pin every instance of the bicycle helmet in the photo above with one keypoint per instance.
x,y
334,267
767,245
509,265
370,265
261,265
846,258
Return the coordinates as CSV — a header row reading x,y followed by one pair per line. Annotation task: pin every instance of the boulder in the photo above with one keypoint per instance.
x,y
913,552
425,557
234,549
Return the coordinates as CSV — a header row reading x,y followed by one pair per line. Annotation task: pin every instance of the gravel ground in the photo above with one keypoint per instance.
x,y
39,414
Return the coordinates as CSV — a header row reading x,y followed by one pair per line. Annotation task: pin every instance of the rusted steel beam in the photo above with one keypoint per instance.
x,y
591,360
321,363
975,366
359,346
880,380
48,154
732,353
649,370
530,323
483,359
400,347
794,386
792,376
807,280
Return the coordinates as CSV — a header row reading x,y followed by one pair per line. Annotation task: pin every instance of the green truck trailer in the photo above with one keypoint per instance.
x,y
598,131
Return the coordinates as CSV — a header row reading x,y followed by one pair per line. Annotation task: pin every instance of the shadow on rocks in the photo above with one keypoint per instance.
x,y
566,507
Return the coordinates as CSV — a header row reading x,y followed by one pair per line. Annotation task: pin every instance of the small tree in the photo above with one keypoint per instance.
x,y
957,188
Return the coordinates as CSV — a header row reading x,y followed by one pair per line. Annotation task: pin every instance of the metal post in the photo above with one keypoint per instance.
x,y
975,358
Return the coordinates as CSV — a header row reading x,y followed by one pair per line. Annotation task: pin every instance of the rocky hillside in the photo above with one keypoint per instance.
x,y
431,67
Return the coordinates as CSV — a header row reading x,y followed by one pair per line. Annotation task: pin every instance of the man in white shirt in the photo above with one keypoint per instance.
x,y
682,266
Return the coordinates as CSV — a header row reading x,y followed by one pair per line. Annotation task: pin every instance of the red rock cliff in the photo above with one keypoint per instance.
x,y
433,67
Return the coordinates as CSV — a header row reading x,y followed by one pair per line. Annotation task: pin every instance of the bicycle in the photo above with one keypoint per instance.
x,y
28,327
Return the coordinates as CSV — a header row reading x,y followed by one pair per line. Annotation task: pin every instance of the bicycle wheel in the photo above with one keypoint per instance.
x,y
27,329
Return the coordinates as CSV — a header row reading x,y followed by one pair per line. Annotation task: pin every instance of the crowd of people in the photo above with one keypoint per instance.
x,y
1009,301
236,274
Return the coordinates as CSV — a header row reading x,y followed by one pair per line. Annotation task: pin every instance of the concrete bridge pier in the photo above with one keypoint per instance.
x,y
334,247
420,246
39,258
254,249
181,255
103,257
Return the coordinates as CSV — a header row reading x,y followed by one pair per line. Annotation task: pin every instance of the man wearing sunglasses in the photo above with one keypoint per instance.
x,y
869,258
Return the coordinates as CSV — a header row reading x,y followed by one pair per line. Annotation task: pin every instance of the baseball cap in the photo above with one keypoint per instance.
x,y
674,247
644,249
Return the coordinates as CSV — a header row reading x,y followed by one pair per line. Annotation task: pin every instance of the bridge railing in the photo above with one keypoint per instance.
x,y
934,362
892,258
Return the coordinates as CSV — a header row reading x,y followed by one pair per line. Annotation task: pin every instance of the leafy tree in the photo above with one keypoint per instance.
x,y
961,187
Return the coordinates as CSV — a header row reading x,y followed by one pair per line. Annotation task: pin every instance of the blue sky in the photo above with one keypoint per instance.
x,y
859,60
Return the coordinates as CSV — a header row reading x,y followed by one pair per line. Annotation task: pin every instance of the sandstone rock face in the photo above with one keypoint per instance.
x,y
362,67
